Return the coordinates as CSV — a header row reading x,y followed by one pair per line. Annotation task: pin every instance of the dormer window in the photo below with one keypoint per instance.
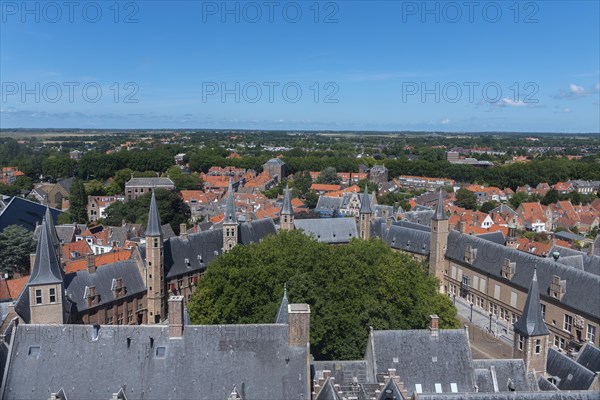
x,y
508,269
558,287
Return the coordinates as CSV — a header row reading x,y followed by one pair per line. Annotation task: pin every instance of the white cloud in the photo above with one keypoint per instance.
x,y
576,90
507,102
445,121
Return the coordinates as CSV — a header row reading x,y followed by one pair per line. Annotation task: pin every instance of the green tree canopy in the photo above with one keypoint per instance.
x,y
16,243
348,288
329,176
171,207
466,199
550,197
78,202
488,206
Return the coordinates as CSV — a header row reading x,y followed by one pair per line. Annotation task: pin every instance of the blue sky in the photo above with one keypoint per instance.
x,y
388,65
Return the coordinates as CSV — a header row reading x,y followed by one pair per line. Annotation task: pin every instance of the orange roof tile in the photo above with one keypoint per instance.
x,y
99,260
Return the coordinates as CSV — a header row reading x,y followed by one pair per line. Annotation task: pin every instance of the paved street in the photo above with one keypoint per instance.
x,y
485,344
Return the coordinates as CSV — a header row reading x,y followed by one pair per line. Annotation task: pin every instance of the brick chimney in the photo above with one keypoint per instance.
x,y
299,324
183,231
434,323
90,262
175,317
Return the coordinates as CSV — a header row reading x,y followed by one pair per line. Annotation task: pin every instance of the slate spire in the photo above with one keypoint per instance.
x,y
365,204
440,214
282,314
286,208
46,268
230,217
153,228
52,229
532,322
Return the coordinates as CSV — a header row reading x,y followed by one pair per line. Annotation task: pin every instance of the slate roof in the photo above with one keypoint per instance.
x,y
328,230
150,182
275,161
571,375
589,357
343,371
286,207
576,259
407,239
496,237
440,214
422,358
503,209
365,202
146,363
230,217
328,391
412,225
46,268
26,213
568,236
328,205
531,323
490,257
75,283
391,391
513,396
419,216
153,227
282,313
500,375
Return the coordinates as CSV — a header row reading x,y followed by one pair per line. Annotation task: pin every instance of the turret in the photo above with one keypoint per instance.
x,y
287,213
230,223
439,242
155,267
531,333
365,215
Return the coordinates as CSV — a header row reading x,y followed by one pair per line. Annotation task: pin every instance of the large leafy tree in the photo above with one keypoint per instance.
x,y
329,176
348,288
16,243
466,199
78,202
171,208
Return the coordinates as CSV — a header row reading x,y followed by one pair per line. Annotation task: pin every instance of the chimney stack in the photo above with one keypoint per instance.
x,y
434,323
183,231
592,248
175,317
299,324
249,214
90,262
31,262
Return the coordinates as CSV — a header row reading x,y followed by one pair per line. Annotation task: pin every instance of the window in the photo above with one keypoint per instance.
x,y
109,320
453,388
591,333
559,342
52,292
418,388
568,323
120,319
438,388
521,342
538,346
129,317
38,296
543,310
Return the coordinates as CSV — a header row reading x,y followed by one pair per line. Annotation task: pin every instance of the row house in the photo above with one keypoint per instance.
x,y
535,217
489,193
423,182
585,187
97,205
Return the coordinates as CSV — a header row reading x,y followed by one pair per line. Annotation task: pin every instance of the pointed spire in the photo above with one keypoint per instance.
x,y
440,214
282,314
230,217
153,228
365,203
46,268
286,207
52,229
531,322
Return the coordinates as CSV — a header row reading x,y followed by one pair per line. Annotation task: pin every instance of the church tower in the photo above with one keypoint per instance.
x,y
365,216
531,333
230,223
46,285
438,242
286,217
511,239
155,267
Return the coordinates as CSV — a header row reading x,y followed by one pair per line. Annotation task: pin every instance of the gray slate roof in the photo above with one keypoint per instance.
x,y
407,239
286,207
328,230
513,396
26,213
328,204
531,323
205,364
365,202
275,161
46,268
498,375
153,228
422,358
589,357
496,237
490,257
76,282
577,259
571,375
343,371
150,182
440,214
282,313
230,217
328,391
